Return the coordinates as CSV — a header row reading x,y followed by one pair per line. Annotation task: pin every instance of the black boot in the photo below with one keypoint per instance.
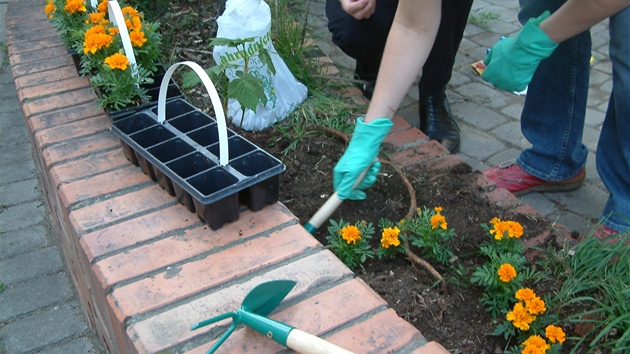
x,y
436,121
362,72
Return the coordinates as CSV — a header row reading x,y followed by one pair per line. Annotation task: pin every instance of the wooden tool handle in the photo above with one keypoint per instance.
x,y
306,343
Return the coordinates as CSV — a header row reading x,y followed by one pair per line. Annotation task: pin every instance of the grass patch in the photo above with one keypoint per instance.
x,y
480,19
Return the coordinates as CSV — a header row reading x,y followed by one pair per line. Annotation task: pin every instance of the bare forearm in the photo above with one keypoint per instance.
x,y
576,16
408,46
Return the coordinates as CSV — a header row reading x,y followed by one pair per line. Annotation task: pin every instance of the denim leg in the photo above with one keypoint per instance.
x,y
613,148
553,116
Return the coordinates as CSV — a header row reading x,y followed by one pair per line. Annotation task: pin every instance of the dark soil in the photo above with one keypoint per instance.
x,y
455,319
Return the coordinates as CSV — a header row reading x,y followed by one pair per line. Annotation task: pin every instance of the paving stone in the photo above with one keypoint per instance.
x,y
30,265
34,294
22,241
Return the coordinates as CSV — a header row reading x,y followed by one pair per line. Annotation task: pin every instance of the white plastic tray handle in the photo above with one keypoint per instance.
x,y
117,18
214,98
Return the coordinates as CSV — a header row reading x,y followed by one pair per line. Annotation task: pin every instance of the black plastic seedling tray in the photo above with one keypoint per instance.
x,y
182,155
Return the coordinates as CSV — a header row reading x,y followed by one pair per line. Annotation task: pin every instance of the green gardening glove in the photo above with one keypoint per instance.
x,y
511,63
359,155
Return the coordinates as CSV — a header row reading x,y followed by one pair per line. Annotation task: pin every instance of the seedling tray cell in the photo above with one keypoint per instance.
x,y
210,169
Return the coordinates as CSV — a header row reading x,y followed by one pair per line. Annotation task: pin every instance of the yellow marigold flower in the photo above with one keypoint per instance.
x,y
50,8
390,237
137,38
95,39
438,209
351,234
102,6
117,61
525,294
555,334
494,220
520,317
73,6
535,306
402,221
535,344
438,220
506,272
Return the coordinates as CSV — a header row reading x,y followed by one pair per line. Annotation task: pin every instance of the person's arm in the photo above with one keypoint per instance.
x,y
408,46
576,16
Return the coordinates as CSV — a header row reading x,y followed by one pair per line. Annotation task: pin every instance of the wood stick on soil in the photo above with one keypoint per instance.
x,y
412,207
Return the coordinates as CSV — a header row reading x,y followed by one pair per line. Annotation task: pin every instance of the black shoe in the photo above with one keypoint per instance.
x,y
436,121
367,77
367,88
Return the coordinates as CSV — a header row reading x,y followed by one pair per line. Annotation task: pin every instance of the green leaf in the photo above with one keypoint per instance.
x,y
247,90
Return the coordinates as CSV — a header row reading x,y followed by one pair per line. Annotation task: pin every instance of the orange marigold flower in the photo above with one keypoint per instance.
x,y
555,334
351,234
535,306
136,23
137,38
438,220
102,6
117,61
506,272
438,209
512,228
113,31
129,11
73,6
494,220
50,8
525,294
535,345
520,317
390,237
95,39
97,18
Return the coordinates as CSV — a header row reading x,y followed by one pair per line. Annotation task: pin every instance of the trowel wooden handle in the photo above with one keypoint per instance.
x,y
307,343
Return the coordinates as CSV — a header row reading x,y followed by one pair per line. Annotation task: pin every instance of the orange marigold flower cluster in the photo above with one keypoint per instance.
x,y
97,18
350,234
50,8
95,39
513,229
535,345
438,220
133,21
102,6
525,311
390,237
506,272
73,6
555,334
117,61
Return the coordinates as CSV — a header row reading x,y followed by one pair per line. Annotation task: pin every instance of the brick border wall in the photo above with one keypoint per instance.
x,y
145,268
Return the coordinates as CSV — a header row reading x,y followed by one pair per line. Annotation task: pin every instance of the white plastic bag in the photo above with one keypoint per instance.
x,y
252,18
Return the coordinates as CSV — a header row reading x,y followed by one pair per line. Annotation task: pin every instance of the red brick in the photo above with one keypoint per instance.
x,y
77,129
213,270
443,163
54,88
88,166
405,139
317,315
137,230
64,115
41,42
46,77
503,198
26,68
431,348
485,183
188,243
56,102
400,123
80,147
26,14
24,32
119,208
527,210
383,332
420,153
56,56
172,327
101,184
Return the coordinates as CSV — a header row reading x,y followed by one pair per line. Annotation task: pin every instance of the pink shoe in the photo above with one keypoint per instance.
x,y
514,179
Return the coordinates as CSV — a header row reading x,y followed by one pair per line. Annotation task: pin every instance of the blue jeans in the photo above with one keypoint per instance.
x,y
555,107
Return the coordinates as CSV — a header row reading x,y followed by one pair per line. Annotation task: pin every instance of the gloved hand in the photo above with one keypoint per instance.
x,y
361,151
511,63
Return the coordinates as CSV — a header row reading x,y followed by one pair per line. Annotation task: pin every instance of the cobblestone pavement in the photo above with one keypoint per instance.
x,y
39,308
490,119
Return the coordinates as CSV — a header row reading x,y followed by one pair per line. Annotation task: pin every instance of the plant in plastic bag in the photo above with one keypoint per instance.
x,y
246,88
